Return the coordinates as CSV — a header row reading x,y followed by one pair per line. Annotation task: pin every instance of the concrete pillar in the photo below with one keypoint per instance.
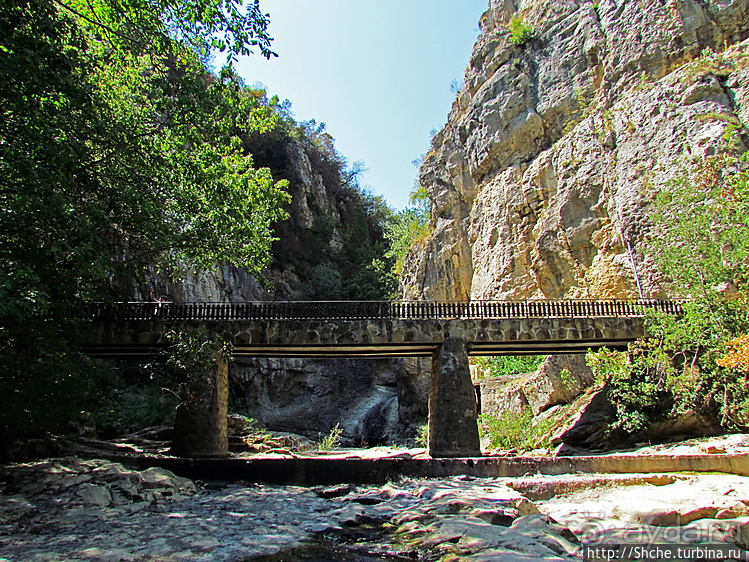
x,y
200,428
453,428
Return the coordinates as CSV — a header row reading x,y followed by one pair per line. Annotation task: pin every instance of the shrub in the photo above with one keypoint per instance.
x,y
508,365
520,33
515,431
332,440
638,389
135,400
422,439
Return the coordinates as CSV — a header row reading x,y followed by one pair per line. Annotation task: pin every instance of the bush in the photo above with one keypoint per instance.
x,y
504,365
135,399
520,33
638,389
422,438
332,440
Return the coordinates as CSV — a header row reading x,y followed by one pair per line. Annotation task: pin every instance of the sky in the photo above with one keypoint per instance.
x,y
378,73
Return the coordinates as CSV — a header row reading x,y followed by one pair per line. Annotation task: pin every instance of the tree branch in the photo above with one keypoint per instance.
x,y
95,22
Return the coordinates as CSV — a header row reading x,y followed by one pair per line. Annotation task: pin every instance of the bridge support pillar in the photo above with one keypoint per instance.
x,y
200,428
453,428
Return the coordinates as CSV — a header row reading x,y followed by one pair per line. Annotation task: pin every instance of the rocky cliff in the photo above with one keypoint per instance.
x,y
540,180
323,252
311,201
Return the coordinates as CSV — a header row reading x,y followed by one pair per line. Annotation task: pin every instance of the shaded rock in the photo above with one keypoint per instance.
x,y
93,495
373,429
532,536
590,429
310,397
95,483
593,427
685,426
335,492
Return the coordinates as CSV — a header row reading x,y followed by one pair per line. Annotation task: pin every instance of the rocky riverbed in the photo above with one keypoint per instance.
x,y
93,509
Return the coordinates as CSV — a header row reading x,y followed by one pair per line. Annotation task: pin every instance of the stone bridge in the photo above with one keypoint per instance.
x,y
447,331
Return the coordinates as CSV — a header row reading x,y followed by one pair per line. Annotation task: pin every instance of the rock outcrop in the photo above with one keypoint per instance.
x,y
310,397
559,380
539,182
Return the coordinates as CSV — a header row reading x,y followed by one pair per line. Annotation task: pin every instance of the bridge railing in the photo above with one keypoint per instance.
x,y
377,310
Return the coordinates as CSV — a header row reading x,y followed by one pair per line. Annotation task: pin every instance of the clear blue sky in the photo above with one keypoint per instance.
x,y
376,72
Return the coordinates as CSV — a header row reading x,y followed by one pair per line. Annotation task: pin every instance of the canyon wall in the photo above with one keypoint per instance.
x,y
374,401
539,182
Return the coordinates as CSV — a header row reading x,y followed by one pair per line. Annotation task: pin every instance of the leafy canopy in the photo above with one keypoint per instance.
x,y
203,26
118,150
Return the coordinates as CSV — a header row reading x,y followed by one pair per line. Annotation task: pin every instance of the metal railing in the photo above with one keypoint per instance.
x,y
377,310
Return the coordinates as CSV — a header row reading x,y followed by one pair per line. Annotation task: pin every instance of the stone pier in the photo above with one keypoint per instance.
x,y
453,428
200,428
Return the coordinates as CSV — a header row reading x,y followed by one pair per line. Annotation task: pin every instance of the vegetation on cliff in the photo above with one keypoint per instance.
x,y
341,256
696,363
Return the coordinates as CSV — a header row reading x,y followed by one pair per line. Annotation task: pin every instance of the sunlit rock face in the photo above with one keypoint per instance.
x,y
540,180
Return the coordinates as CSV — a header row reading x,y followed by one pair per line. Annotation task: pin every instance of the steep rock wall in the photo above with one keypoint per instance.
x,y
373,401
540,181
309,200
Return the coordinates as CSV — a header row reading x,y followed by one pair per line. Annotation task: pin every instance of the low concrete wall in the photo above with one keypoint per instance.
x,y
325,471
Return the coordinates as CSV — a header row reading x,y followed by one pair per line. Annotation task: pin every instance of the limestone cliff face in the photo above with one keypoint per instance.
x,y
540,180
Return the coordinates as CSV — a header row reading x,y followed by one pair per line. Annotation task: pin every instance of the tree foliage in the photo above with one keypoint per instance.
x,y
508,365
118,149
407,229
737,355
202,26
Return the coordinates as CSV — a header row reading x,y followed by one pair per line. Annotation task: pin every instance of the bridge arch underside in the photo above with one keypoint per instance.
x,y
373,338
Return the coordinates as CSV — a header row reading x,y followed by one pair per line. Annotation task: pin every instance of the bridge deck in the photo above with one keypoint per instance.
x,y
375,329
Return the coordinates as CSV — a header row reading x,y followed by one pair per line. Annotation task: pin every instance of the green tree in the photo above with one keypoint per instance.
x,y
406,229
118,150
701,243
